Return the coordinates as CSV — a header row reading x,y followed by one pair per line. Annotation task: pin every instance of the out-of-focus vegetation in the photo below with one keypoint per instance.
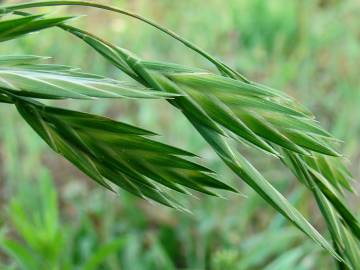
x,y
56,219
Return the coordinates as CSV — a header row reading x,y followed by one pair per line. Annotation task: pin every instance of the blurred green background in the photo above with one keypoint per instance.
x,y
53,218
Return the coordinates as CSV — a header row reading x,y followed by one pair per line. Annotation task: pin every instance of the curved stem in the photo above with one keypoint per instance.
x,y
219,65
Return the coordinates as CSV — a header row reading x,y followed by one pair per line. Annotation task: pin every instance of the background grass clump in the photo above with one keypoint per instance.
x,y
62,221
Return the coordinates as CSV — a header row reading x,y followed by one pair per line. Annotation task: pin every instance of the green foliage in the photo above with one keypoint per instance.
x,y
224,109
44,239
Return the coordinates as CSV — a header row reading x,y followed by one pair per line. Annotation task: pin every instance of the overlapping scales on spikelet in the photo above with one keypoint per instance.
x,y
113,152
254,113
23,76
